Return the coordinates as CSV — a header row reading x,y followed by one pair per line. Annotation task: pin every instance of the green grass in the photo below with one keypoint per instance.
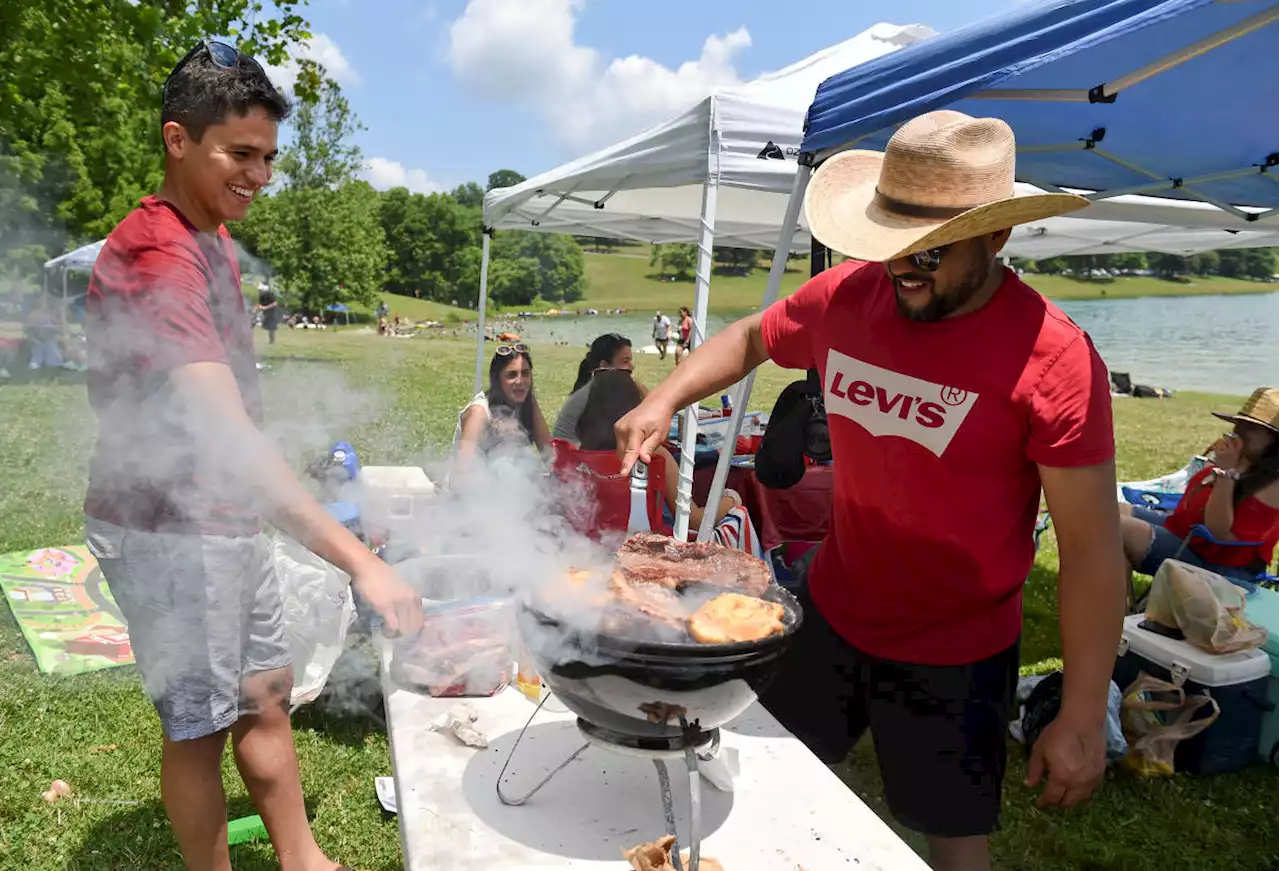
x,y
397,400
626,280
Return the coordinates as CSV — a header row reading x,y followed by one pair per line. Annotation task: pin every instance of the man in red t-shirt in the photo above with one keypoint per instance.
x,y
954,394
182,479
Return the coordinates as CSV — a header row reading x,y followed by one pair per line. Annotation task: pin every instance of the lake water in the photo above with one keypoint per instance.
x,y
1218,344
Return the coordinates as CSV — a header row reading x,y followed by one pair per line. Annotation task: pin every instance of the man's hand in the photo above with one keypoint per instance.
x,y
397,603
641,431
1075,758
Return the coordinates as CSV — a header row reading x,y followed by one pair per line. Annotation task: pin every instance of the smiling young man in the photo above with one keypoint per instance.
x,y
954,394
182,478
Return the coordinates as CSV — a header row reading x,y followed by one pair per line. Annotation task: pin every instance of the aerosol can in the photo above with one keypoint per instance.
x,y
638,516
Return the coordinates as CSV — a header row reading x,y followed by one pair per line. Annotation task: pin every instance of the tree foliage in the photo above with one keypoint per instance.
x,y
740,260
678,258
80,88
504,178
425,235
321,154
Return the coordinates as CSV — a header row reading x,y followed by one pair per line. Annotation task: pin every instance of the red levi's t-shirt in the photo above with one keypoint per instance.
x,y
936,432
164,295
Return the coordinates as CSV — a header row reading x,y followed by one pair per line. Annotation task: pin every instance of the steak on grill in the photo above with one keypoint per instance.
x,y
657,559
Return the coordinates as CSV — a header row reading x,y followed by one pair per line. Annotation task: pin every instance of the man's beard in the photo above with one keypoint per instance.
x,y
942,304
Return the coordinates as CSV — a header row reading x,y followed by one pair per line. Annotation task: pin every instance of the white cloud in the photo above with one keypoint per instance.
x,y
324,51
524,52
385,174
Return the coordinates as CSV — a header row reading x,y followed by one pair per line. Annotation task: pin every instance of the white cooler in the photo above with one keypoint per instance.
x,y
391,497
1236,681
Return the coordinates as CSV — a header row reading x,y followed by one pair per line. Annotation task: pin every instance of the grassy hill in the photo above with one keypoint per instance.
x,y
627,281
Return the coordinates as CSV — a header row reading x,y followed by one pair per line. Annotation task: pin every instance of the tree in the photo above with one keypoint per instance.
x,y
556,261
1052,265
1260,263
1204,263
1132,261
469,194
321,154
424,237
327,244
679,258
80,106
504,178
1167,265
739,260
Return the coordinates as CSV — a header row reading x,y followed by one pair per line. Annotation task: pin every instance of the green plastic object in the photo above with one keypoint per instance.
x,y
246,829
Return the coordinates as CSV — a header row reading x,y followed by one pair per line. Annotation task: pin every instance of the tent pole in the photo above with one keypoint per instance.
x,y
484,303
776,270
706,239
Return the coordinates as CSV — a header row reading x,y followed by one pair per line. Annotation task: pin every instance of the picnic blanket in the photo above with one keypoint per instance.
x,y
66,613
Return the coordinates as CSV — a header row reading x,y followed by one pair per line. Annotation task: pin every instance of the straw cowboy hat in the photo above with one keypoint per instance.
x,y
944,177
1262,408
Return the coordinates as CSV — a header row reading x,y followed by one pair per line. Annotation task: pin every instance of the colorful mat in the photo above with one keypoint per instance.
x,y
61,602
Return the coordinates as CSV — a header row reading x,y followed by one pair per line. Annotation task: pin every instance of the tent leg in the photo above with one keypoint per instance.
x,y
484,303
706,239
779,266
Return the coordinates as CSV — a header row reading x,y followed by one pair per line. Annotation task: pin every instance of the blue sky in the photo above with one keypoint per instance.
x,y
450,90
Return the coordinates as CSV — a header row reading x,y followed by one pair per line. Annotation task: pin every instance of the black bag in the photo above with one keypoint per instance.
x,y
797,428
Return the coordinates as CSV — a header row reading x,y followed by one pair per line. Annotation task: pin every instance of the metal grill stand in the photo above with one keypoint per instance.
x,y
694,744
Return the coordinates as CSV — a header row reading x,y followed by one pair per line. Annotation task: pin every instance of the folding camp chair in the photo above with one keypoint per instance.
x,y
607,506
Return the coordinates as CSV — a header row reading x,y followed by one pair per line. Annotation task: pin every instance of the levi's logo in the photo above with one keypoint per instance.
x,y
887,403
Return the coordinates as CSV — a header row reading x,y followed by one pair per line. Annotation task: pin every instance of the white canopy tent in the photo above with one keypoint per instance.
x,y
79,260
735,150
723,173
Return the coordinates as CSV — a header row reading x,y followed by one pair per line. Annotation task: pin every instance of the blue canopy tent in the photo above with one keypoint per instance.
x,y
1170,99
340,307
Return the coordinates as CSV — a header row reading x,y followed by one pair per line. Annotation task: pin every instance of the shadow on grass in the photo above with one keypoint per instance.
x,y
141,837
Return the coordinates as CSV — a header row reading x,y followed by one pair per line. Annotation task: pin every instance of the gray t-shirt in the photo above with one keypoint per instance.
x,y
567,421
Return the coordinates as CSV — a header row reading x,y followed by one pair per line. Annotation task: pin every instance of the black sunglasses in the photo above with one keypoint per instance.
x,y
930,259
223,56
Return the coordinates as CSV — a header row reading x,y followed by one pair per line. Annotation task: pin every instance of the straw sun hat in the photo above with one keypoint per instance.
x,y
1262,408
944,177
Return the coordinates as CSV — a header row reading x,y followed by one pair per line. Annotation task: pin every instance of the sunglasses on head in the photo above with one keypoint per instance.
x,y
223,56
930,259
508,350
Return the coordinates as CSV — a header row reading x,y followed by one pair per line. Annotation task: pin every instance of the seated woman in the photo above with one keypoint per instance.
x,y
608,352
611,395
1236,498
506,415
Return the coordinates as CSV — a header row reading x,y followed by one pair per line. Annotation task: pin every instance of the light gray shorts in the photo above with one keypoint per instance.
x,y
204,613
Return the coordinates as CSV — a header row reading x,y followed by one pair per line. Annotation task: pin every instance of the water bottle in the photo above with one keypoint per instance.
x,y
638,516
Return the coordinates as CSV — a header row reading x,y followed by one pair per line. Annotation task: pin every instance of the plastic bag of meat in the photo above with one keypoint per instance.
x,y
464,649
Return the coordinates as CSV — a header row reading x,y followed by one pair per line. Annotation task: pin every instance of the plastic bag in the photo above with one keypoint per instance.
x,y
318,611
1039,697
1207,607
1157,715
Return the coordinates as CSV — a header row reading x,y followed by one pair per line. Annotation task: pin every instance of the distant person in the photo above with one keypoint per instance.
x,y
43,334
607,352
182,479
270,308
661,334
686,333
1237,498
506,415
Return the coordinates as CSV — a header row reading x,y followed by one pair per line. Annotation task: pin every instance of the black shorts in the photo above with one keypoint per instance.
x,y
939,731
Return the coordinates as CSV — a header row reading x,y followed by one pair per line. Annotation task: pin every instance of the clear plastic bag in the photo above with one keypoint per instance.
x,y
318,611
1157,716
1207,607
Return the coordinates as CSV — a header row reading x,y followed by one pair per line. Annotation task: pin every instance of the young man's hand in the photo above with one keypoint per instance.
x,y
641,431
397,603
1074,756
